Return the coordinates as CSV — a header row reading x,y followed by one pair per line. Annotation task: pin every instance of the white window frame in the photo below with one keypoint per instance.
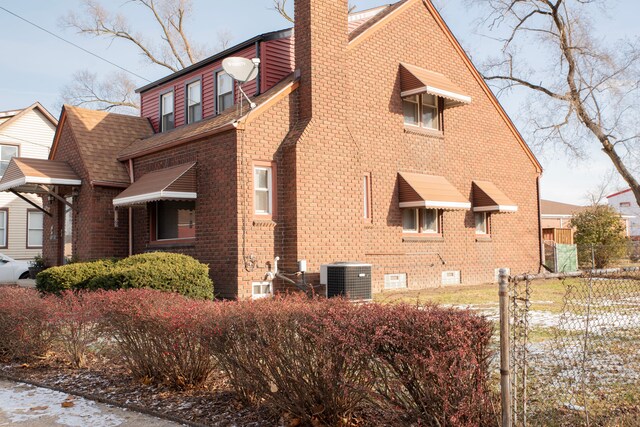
x,y
29,229
190,103
4,226
423,216
5,160
485,223
164,113
265,290
416,213
418,99
220,74
268,190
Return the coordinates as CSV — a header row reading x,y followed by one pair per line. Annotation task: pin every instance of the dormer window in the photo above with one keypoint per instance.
x,y
166,112
194,102
421,110
224,91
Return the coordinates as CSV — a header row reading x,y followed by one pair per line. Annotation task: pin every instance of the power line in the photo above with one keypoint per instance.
x,y
73,44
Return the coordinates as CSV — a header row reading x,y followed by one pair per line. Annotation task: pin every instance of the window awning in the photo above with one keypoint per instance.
x,y
30,175
415,80
429,191
488,198
176,183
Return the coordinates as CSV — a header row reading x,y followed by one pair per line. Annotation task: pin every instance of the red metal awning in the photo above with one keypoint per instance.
x,y
25,175
415,80
488,198
176,183
429,191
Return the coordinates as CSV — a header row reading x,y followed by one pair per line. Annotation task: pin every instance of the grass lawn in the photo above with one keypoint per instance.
x,y
546,295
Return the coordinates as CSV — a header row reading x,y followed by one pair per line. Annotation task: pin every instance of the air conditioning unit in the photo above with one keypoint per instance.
x,y
350,279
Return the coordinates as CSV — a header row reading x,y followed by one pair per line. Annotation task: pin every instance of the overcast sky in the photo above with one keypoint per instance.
x,y
35,65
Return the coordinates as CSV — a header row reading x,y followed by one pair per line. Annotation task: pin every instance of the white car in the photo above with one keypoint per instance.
x,y
11,270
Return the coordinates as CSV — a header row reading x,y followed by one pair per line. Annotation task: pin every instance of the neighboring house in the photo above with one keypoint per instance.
x,y
374,139
625,203
23,133
557,215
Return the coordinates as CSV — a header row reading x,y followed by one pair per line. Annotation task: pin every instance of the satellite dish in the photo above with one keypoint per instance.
x,y
241,69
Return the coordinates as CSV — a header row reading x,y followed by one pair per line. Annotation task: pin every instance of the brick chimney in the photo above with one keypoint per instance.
x,y
321,37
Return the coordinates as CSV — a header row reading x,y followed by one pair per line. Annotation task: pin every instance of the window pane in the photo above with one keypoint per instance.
x,y
225,83
225,102
35,238
262,178
429,117
3,228
167,122
175,220
262,201
429,100
410,110
194,93
481,223
409,220
7,152
167,103
35,220
429,221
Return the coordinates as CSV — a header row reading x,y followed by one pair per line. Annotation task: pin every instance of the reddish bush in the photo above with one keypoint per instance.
x,y
76,317
434,364
25,327
160,335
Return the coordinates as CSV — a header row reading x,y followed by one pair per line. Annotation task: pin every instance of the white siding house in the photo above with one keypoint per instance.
x,y
26,133
625,203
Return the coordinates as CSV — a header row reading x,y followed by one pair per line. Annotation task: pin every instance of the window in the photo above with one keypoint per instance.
x,y
426,221
410,220
194,102
166,112
482,222
224,91
6,153
175,220
261,290
625,204
263,191
34,229
366,184
4,215
421,110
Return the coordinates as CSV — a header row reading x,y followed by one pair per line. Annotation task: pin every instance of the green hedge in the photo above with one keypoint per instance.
x,y
71,276
159,270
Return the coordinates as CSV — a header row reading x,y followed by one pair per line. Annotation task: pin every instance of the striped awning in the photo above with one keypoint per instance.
x,y
176,183
488,198
25,175
429,191
415,80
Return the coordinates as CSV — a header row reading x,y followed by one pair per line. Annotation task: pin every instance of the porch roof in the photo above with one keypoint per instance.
x,y
415,80
175,183
24,175
488,198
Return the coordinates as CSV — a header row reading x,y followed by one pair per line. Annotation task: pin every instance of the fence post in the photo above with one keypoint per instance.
x,y
505,381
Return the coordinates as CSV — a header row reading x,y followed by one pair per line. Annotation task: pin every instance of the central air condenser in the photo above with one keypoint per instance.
x,y
347,279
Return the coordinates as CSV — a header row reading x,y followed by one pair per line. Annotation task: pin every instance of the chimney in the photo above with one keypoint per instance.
x,y
321,37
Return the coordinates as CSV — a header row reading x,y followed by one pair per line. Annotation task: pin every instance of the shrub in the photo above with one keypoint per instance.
x,y
71,276
434,363
160,336
308,364
25,329
76,317
599,235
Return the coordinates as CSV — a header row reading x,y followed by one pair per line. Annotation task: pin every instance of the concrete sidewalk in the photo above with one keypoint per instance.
x,y
27,405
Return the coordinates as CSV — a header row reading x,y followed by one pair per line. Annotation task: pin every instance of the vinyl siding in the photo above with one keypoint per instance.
x,y
33,133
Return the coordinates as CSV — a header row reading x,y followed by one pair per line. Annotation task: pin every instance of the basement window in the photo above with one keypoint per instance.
x,y
261,290
174,220
421,110
166,112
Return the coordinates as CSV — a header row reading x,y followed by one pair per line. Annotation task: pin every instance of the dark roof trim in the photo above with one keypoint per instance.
x,y
274,35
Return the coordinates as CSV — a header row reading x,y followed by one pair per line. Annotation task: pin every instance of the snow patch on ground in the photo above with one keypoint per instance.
x,y
25,403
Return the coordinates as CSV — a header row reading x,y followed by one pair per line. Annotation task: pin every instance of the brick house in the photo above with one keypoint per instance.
x,y
364,145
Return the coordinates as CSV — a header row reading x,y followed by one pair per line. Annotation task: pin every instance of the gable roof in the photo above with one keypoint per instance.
x,y
378,22
17,114
228,120
549,207
99,136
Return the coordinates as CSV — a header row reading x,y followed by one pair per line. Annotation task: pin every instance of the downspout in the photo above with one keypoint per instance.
x,y
258,85
131,211
540,225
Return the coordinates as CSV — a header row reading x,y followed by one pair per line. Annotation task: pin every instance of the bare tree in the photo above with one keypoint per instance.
x,y
116,93
582,90
171,48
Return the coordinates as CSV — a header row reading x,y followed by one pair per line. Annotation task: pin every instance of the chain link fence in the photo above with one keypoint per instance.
x,y
577,364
